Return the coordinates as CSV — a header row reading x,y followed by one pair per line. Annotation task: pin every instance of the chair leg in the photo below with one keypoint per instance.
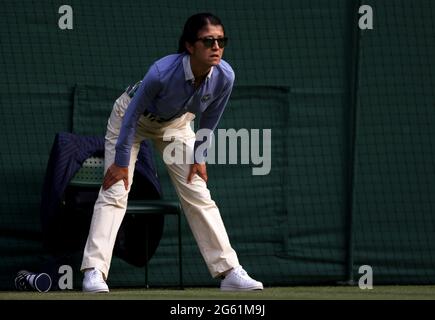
x,y
180,255
146,257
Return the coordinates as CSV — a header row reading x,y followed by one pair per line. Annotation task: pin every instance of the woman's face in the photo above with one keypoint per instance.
x,y
203,55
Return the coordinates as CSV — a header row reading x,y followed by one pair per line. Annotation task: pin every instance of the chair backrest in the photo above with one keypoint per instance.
x,y
90,174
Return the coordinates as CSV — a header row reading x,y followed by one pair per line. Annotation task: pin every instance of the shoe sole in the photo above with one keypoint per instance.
x,y
96,291
256,288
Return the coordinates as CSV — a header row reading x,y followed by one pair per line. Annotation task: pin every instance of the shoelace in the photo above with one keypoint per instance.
x,y
95,275
241,273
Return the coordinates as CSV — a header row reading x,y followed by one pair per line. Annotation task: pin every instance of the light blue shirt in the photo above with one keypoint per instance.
x,y
167,91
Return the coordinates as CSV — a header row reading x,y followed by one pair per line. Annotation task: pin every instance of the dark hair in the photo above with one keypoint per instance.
x,y
192,27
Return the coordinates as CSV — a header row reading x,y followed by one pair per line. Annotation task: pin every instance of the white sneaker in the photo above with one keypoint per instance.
x,y
239,280
93,281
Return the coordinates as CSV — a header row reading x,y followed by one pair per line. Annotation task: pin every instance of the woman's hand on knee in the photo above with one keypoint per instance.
x,y
114,174
199,169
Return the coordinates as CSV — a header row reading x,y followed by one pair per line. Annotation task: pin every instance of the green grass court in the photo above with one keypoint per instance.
x,y
422,292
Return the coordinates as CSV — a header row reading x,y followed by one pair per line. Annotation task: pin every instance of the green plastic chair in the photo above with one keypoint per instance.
x,y
91,174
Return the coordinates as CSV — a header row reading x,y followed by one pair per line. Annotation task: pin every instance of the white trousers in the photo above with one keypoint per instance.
x,y
200,210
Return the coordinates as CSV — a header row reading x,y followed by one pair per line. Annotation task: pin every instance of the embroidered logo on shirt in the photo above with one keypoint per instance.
x,y
205,98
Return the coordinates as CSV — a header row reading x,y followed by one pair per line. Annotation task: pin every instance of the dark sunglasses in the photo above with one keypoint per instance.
x,y
209,42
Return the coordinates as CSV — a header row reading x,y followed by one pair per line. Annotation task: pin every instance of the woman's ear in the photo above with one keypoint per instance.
x,y
189,47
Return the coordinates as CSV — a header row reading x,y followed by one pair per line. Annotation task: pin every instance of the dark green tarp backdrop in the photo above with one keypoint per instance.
x,y
351,112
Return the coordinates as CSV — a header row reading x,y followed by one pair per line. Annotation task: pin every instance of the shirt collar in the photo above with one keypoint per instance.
x,y
188,74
